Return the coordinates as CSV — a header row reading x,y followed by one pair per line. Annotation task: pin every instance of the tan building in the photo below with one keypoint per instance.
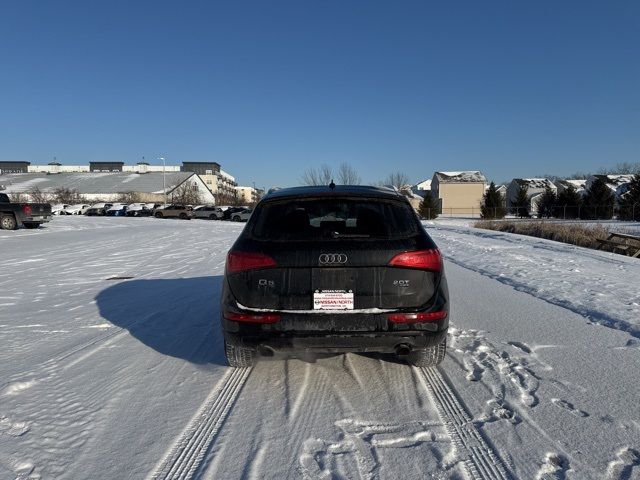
x,y
459,193
247,195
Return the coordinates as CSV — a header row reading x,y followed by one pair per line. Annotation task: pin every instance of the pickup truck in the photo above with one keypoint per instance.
x,y
29,215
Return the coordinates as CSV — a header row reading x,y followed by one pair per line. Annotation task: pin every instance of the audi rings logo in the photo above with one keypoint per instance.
x,y
332,259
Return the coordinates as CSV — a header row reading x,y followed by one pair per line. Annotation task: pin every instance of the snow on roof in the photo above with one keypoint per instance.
x,y
579,184
410,194
423,185
535,182
618,184
615,179
472,176
499,188
227,175
116,182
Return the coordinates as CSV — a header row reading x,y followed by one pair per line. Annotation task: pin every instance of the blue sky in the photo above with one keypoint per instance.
x,y
269,88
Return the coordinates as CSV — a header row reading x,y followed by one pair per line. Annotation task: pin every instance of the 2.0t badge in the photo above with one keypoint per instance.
x,y
332,259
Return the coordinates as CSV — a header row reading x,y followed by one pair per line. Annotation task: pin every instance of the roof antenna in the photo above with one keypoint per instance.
x,y
332,185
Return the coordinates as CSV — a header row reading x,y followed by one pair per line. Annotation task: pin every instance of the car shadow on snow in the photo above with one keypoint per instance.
x,y
176,317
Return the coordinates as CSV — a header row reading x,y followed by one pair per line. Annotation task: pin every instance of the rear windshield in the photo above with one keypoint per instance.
x,y
334,218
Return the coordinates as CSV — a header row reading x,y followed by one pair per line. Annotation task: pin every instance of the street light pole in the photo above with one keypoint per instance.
x,y
164,182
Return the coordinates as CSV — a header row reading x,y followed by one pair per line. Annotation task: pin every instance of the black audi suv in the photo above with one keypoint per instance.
x,y
334,269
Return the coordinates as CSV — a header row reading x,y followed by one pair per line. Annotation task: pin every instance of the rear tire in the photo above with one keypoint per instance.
x,y
429,357
238,356
236,218
8,222
158,215
213,217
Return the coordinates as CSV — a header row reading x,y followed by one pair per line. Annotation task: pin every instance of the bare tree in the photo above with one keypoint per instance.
x,y
38,196
66,195
320,176
186,194
326,174
17,197
347,175
624,168
128,197
236,200
310,177
397,179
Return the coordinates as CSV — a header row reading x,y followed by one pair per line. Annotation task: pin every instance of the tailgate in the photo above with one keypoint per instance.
x,y
370,287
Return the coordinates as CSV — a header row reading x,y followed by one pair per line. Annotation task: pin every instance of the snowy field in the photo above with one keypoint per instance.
x,y
107,377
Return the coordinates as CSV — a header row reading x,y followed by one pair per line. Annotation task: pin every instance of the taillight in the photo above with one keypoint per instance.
x,y
252,317
417,317
241,261
420,259
26,209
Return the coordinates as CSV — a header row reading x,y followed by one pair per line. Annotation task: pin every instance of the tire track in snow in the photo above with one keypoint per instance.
x,y
481,461
184,458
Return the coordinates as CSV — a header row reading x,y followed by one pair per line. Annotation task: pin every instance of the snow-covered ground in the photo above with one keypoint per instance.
x,y
107,377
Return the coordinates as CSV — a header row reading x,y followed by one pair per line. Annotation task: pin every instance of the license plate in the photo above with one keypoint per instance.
x,y
36,218
333,300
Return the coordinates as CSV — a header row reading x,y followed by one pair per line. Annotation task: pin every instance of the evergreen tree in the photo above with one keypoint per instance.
x,y
598,202
428,209
492,203
569,203
546,202
521,203
629,204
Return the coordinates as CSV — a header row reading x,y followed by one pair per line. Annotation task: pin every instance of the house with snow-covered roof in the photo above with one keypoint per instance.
x,y
422,188
535,188
619,184
459,193
578,184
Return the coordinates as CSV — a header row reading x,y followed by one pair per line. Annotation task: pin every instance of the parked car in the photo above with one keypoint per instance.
x,y
343,269
79,209
58,208
149,208
29,215
117,210
219,211
241,216
174,211
230,211
208,212
139,209
98,209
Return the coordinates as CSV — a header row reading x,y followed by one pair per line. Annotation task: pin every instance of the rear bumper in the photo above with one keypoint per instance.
x,y
336,332
330,342
36,219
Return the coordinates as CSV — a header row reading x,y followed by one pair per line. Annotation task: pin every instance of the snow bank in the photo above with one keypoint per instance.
x,y
601,286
